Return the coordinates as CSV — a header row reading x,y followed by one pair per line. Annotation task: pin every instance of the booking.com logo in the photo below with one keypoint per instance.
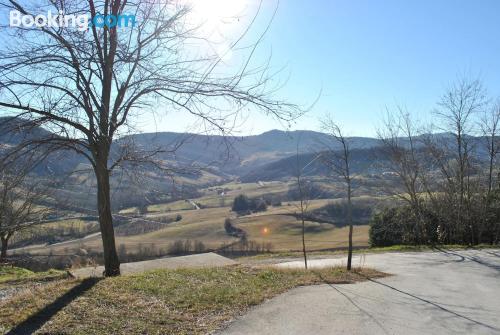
x,y
81,22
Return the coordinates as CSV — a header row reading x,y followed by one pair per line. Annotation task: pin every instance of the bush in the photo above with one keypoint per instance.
x,y
176,248
272,199
242,204
138,227
258,205
142,209
231,230
337,212
122,252
185,247
401,225
245,247
178,218
228,225
163,219
199,247
384,229
311,190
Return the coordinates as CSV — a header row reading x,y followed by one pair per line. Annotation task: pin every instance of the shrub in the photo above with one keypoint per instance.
x,y
122,252
181,247
311,190
384,229
178,218
245,247
176,248
142,209
231,230
258,205
138,227
199,247
228,225
241,203
402,225
337,212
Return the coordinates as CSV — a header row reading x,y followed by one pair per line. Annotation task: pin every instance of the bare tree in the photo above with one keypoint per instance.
x,y
490,123
339,161
19,208
400,144
89,87
403,148
303,194
457,109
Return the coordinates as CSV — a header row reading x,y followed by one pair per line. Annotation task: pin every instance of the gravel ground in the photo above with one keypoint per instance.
x,y
10,291
6,293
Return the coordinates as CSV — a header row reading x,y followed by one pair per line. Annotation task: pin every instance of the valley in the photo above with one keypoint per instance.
x,y
160,212
278,227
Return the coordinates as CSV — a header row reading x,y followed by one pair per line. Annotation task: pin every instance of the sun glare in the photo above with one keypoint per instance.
x,y
218,21
218,9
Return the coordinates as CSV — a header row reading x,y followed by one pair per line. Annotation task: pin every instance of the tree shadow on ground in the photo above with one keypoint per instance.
x,y
493,253
381,325
351,301
37,320
474,259
438,306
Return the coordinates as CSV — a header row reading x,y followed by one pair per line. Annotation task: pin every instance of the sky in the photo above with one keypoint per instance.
x,y
362,57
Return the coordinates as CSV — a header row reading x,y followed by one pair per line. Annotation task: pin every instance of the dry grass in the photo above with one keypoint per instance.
x,y
285,233
211,197
183,301
207,225
11,275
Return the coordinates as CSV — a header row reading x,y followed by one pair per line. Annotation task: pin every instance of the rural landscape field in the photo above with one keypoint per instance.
x,y
278,226
234,167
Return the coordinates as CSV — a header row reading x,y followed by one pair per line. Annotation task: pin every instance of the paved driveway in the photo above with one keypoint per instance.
x,y
449,292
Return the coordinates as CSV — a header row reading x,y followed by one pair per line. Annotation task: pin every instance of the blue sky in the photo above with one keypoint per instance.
x,y
363,56
368,55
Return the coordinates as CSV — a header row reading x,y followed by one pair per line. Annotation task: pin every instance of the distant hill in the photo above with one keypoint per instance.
x,y
223,156
14,131
363,161
268,156
240,155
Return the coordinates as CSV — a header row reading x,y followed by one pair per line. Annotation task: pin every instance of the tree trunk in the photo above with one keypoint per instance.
x,y
111,262
349,220
3,254
490,172
349,255
304,240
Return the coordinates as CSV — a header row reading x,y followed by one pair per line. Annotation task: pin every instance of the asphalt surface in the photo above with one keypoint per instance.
x,y
445,292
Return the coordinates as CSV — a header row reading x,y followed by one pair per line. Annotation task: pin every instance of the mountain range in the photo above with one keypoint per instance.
x,y
273,155
222,155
